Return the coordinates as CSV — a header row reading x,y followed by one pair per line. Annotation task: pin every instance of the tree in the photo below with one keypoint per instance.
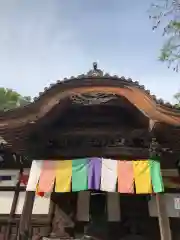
x,y
167,13
10,99
177,98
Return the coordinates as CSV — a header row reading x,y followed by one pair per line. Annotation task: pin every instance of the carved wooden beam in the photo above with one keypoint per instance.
x,y
116,153
97,131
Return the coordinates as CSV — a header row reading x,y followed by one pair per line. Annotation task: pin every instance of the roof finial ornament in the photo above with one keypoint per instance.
x,y
95,72
95,66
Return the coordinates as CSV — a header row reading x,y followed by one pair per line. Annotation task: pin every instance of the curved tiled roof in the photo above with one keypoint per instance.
x,y
94,80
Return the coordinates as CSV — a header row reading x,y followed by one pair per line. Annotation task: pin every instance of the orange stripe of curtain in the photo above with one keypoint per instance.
x,y
47,176
142,176
125,177
63,176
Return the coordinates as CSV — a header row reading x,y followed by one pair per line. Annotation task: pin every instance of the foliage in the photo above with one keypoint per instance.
x,y
10,99
167,13
177,98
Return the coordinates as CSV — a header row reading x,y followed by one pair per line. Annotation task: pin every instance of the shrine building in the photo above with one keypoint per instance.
x,y
92,155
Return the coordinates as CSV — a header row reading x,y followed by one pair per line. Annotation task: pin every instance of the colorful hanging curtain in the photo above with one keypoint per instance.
x,y
156,176
63,176
79,174
142,176
34,175
94,173
108,175
125,177
47,176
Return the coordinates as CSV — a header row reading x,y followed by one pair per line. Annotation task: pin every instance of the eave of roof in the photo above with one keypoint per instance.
x,y
94,80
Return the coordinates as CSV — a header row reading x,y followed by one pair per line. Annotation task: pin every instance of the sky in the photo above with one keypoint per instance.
x,y
42,41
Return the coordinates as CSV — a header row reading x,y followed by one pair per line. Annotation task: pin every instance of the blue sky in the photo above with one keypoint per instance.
x,y
42,41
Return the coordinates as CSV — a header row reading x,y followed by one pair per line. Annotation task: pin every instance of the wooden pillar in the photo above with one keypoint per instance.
x,y
163,218
113,207
25,220
13,208
164,225
50,217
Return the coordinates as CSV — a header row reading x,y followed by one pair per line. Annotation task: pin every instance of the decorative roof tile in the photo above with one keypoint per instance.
x,y
95,78
98,73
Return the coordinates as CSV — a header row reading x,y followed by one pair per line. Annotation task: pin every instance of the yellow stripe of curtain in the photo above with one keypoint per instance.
x,y
142,176
63,176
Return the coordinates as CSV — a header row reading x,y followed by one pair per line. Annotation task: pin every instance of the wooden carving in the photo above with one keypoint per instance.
x,y
60,221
